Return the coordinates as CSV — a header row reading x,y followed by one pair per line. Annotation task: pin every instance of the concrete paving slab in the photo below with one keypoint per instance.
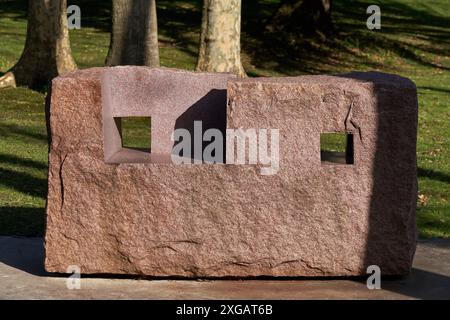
x,y
22,276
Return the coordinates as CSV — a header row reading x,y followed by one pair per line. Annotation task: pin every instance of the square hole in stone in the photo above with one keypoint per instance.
x,y
336,147
135,132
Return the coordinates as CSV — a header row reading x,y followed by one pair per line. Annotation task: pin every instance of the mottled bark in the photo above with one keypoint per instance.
x,y
8,80
220,37
47,52
134,36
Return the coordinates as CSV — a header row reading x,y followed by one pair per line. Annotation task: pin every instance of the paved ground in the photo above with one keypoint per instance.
x,y
22,277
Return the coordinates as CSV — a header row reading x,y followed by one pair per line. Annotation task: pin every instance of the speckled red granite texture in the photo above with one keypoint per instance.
x,y
309,219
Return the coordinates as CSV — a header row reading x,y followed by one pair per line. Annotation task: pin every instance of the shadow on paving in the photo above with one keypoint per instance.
x,y
27,255
419,284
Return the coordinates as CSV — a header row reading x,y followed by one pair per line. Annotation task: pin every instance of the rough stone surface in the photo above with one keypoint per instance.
x,y
172,98
309,219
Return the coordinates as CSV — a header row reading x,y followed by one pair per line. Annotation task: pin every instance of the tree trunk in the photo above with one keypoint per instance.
x,y
134,36
319,13
220,37
47,52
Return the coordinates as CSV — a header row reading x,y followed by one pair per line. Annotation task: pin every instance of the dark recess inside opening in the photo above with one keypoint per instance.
x,y
336,147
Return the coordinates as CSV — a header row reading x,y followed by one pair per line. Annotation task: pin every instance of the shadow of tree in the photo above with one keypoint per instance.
x,y
26,254
181,22
430,222
8,158
7,130
24,183
419,284
22,221
17,8
290,54
177,20
433,174
179,25
434,89
94,14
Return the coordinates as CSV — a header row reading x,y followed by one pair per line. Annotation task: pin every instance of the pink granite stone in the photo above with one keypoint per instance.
x,y
168,96
157,218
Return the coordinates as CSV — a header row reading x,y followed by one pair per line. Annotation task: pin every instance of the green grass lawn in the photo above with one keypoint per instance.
x,y
414,42
136,132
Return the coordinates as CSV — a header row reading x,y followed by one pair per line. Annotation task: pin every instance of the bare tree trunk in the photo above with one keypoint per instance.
x,y
320,14
220,47
47,52
134,36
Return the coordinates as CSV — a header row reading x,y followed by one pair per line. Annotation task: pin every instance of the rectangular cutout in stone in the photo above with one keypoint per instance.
x,y
127,139
136,133
336,147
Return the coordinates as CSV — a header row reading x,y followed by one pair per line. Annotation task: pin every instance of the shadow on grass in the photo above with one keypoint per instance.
x,y
94,14
431,222
23,182
181,21
434,175
176,19
18,8
291,53
7,158
434,89
22,221
11,129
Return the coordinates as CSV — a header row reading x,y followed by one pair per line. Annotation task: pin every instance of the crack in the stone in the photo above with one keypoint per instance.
x,y
308,265
349,120
285,262
70,238
61,180
193,241
348,116
241,263
165,247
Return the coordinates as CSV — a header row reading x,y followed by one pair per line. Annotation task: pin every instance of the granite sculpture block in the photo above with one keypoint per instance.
x,y
116,211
